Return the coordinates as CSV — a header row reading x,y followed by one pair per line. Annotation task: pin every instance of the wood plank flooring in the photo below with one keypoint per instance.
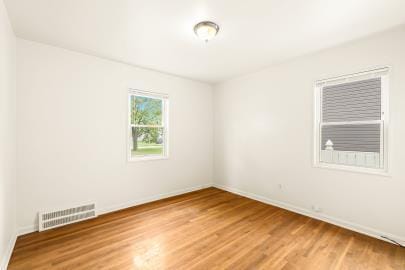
x,y
207,229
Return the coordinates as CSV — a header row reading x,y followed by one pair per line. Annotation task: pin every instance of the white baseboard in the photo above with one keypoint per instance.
x,y
113,208
9,250
150,199
27,229
306,212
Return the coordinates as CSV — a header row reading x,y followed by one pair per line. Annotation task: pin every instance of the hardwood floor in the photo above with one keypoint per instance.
x,y
207,229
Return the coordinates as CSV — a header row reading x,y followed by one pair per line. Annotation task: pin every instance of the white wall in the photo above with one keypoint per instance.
x,y
264,137
7,137
72,133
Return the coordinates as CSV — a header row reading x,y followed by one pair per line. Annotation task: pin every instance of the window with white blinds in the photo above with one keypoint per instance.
x,y
351,121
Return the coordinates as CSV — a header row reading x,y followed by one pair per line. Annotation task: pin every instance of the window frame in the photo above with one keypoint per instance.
x,y
380,72
165,124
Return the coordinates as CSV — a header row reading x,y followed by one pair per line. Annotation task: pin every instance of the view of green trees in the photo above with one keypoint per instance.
x,y
146,120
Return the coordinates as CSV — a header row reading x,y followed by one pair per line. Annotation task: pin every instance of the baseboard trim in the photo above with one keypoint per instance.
x,y
27,229
113,208
151,199
7,255
306,212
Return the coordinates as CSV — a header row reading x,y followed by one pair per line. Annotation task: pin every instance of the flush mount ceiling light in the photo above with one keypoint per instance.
x,y
206,30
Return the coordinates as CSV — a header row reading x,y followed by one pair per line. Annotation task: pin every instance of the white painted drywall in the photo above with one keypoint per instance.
x,y
72,133
7,137
264,136
252,34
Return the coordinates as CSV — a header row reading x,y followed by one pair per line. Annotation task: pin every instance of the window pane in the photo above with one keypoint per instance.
x,y
354,101
147,141
146,111
357,138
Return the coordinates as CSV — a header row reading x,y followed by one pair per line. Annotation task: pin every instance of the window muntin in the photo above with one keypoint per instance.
x,y
147,125
351,121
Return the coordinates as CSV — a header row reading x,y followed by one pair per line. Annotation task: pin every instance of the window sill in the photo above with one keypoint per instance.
x,y
352,169
147,158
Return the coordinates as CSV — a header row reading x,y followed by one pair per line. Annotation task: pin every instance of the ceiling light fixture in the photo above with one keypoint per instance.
x,y
206,30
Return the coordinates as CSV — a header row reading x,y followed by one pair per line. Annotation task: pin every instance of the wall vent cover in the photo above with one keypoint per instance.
x,y
53,219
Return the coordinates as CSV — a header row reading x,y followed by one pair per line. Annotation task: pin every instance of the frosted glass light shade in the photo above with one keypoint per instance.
x,y
206,30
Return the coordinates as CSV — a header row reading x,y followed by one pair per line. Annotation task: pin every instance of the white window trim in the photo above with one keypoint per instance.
x,y
165,125
383,73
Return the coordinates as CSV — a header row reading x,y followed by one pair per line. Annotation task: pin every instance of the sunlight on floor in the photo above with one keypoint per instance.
x,y
152,257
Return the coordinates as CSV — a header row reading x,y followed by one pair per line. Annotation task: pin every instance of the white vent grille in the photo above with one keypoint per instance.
x,y
53,219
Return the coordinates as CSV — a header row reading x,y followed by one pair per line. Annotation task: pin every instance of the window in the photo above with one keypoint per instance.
x,y
148,125
351,121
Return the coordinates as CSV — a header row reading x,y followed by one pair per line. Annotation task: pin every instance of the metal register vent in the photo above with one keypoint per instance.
x,y
53,219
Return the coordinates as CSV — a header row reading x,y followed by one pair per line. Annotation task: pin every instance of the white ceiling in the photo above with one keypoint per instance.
x,y
158,34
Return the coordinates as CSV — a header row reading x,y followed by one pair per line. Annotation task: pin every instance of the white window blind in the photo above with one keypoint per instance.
x,y
351,126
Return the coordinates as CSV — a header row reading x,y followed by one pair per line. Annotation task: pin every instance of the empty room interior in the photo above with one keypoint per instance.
x,y
153,134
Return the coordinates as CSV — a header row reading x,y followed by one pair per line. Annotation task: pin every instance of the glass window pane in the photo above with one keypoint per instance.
x,y
147,141
146,111
357,138
353,101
